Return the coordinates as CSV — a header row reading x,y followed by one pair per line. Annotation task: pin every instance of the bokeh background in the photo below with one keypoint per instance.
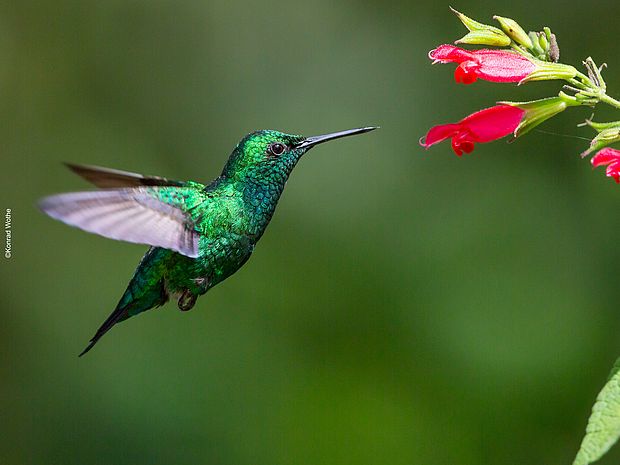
x,y
405,306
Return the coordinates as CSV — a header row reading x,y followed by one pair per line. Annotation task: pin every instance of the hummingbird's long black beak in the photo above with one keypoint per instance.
x,y
309,142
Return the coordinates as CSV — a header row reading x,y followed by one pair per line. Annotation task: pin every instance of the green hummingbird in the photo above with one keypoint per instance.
x,y
199,234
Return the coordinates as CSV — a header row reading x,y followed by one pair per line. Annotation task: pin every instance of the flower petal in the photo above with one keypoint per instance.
x,y
462,142
605,156
503,66
466,72
610,157
450,54
439,133
613,171
493,123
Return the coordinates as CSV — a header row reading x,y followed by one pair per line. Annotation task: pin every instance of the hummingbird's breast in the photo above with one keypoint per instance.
x,y
231,220
260,202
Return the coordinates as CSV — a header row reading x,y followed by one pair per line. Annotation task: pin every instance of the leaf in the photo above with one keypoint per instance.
x,y
603,428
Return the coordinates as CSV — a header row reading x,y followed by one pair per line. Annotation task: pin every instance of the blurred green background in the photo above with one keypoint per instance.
x,y
405,306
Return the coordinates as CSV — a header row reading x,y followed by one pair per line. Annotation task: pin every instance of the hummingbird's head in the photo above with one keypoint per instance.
x,y
269,154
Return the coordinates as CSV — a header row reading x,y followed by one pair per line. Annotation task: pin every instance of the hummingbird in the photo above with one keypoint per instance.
x,y
199,234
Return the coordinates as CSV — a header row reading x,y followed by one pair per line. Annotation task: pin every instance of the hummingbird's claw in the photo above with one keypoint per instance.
x,y
187,300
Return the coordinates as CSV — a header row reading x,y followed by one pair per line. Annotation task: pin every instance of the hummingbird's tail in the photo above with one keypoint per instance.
x,y
145,291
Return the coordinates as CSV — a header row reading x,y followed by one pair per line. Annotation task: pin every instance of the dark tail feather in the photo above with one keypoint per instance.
x,y
145,291
117,315
156,297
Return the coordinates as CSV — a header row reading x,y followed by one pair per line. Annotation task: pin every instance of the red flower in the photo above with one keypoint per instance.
x,y
483,126
490,65
611,158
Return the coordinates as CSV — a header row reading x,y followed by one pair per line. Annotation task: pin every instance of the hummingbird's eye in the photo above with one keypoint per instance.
x,y
277,148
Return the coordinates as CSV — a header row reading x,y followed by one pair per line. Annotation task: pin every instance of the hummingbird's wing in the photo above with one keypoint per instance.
x,y
132,215
108,177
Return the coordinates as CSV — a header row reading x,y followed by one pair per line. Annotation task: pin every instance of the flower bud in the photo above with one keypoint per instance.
x,y
545,46
608,133
554,50
542,41
514,31
481,34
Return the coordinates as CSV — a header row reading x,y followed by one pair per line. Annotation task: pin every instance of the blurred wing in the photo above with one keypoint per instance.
x,y
130,215
107,177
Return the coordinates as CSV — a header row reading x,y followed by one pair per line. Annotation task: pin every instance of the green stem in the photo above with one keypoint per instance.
x,y
578,84
585,79
609,100
599,95
593,91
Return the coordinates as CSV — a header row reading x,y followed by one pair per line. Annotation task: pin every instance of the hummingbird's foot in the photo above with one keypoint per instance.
x,y
186,301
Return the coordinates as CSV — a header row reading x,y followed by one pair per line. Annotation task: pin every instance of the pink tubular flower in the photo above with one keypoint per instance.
x,y
611,158
490,65
483,126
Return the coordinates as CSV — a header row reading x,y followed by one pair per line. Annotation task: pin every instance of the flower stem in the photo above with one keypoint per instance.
x,y
578,84
609,100
585,79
